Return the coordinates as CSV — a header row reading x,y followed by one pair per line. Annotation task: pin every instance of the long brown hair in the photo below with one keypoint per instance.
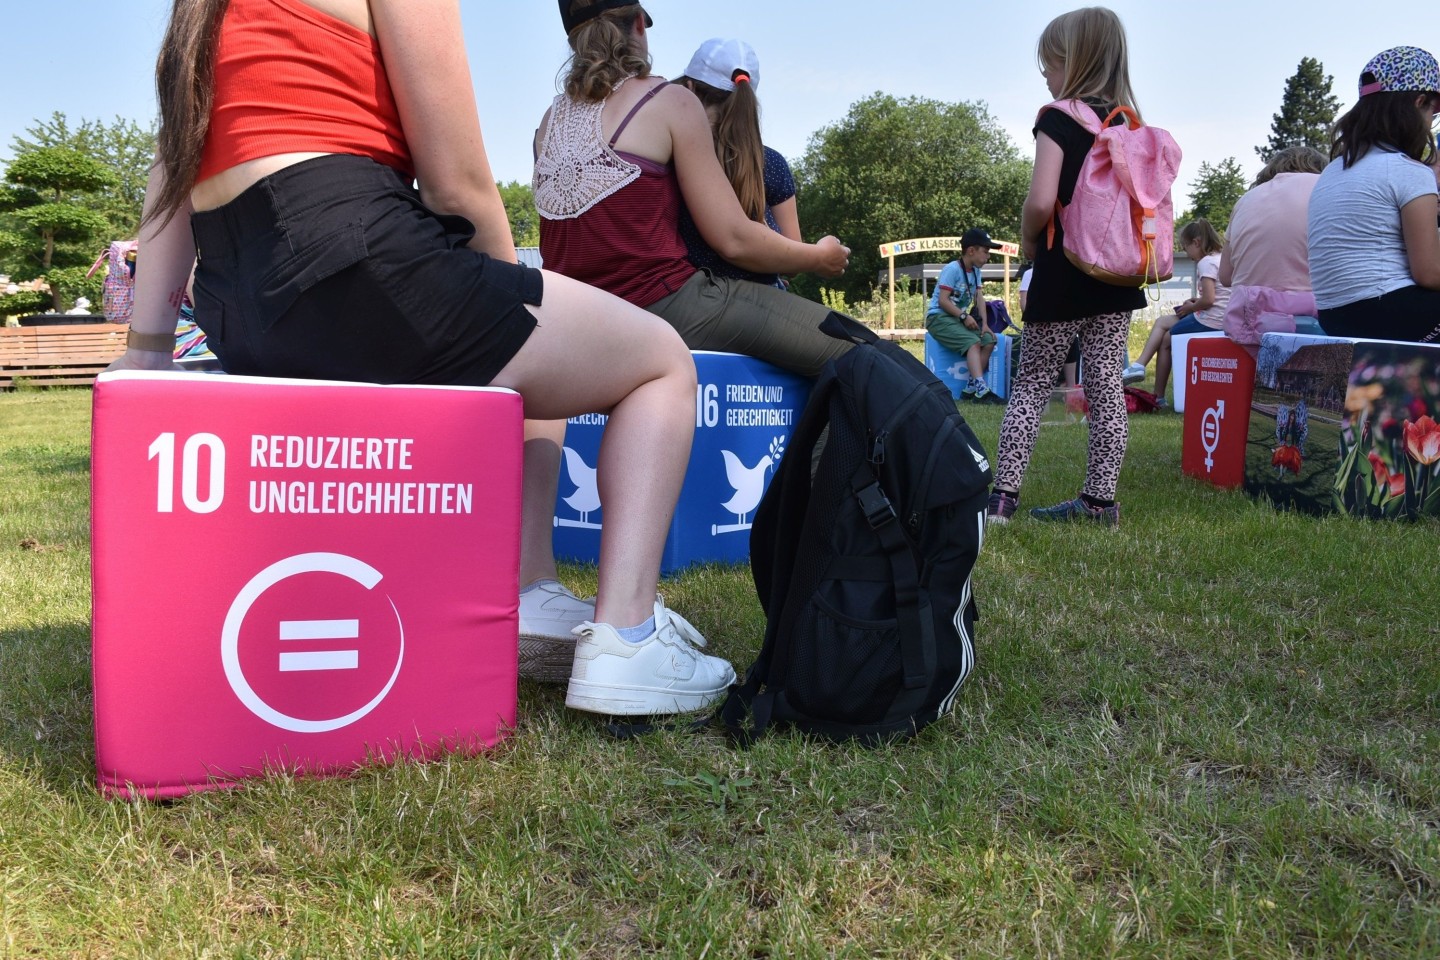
x,y
185,89
1090,44
603,53
1387,119
737,140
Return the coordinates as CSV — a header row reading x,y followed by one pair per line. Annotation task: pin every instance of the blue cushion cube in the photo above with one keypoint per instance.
x,y
952,370
745,414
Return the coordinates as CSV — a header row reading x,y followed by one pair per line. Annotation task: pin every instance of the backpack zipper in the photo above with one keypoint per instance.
x,y
946,428
877,444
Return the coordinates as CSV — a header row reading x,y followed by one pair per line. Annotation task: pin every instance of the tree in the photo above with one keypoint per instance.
x,y
1214,193
45,183
519,202
1306,113
67,192
895,169
124,146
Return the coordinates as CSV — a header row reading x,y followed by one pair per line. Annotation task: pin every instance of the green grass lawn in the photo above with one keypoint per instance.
x,y
1212,733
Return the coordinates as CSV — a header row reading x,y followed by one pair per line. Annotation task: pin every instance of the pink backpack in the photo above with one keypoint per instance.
x,y
1120,223
118,300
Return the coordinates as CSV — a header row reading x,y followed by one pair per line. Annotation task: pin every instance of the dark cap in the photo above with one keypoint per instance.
x,y
573,20
975,237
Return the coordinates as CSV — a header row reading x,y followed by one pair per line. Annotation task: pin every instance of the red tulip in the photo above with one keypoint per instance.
x,y
1422,440
1397,484
1382,472
1394,483
1287,457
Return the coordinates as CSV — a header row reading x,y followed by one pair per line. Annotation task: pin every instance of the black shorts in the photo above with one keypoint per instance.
x,y
333,269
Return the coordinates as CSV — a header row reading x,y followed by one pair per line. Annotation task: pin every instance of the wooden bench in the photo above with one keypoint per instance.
x,y
68,355
902,333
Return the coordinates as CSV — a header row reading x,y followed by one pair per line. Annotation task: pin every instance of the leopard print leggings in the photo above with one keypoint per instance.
x,y
1102,347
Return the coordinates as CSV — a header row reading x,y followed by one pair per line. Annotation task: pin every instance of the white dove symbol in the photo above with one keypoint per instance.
x,y
749,483
586,497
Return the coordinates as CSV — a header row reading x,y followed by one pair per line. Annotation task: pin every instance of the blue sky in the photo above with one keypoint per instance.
x,y
1212,73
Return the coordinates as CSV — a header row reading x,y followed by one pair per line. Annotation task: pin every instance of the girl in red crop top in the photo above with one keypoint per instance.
x,y
292,133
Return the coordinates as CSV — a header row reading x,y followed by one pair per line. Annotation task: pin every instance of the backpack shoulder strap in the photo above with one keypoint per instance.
x,y
917,633
1076,110
841,327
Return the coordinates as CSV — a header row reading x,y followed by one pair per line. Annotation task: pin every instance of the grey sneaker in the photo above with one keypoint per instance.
x,y
549,615
664,673
1134,373
1078,509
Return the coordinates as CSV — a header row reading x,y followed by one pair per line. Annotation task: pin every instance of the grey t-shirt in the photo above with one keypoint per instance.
x,y
1357,250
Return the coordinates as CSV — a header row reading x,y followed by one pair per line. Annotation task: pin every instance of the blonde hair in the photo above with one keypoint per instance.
x,y
1296,159
604,53
1090,44
736,127
1208,236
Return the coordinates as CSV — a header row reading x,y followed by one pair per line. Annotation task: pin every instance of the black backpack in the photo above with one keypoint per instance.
x,y
863,568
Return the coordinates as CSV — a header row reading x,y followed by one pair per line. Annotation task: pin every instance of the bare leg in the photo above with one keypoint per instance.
x,y
986,349
543,440
592,352
1156,339
1163,361
976,359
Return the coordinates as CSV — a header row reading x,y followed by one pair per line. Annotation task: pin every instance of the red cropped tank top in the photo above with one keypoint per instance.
x,y
290,79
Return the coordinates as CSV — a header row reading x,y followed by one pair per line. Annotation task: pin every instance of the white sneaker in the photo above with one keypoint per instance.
x,y
664,673
549,615
1134,373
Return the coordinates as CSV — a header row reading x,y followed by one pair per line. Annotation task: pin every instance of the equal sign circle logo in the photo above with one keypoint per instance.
x,y
310,645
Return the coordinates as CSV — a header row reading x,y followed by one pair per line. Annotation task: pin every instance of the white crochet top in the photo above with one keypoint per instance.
x,y
576,168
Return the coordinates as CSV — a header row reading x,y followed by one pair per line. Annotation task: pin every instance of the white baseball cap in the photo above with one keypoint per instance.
x,y
722,62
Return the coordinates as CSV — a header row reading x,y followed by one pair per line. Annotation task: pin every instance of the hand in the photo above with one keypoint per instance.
x,y
971,323
834,257
142,360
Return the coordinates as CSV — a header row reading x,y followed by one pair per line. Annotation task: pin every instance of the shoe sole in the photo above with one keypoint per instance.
x,y
616,701
995,518
1132,378
546,659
